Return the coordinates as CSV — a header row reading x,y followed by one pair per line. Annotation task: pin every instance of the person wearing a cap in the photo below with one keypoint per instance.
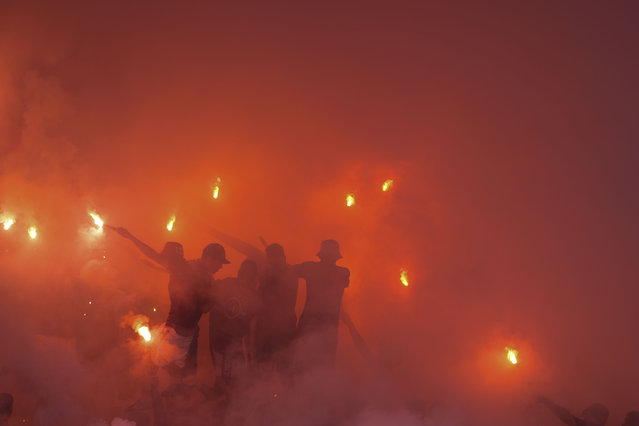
x,y
318,325
593,415
189,293
274,327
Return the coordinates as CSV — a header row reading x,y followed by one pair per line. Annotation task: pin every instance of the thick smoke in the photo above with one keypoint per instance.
x,y
509,133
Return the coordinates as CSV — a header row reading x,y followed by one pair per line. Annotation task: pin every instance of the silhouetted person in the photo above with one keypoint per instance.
x,y
6,408
632,419
235,303
189,294
318,324
593,415
275,324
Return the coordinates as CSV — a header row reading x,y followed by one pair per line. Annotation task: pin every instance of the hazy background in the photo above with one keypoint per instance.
x,y
509,129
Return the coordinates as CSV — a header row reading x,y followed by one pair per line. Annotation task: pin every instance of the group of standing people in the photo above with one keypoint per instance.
x,y
253,323
594,415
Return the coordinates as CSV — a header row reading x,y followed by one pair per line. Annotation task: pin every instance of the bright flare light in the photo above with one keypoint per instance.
x,y
144,332
511,354
350,200
388,184
33,232
97,220
216,188
403,277
8,223
169,225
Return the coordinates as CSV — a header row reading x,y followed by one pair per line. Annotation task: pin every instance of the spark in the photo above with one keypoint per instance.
x,y
99,223
403,277
511,354
169,225
33,232
387,185
155,310
216,188
350,200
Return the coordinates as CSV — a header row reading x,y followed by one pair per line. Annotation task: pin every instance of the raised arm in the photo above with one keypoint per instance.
x,y
561,413
144,248
243,247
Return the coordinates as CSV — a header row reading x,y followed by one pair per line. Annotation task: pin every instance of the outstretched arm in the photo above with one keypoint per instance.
x,y
243,247
561,413
144,248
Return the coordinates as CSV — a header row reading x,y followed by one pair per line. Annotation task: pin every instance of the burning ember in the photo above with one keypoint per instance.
x,y
350,200
403,277
8,223
216,188
33,232
511,354
144,332
387,185
169,225
99,223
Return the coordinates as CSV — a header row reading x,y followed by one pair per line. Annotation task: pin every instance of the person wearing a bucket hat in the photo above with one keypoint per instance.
x,y
318,325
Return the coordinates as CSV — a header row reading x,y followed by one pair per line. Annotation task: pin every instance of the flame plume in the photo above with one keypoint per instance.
x,y
216,188
387,185
169,225
144,332
403,277
99,223
8,223
512,354
33,232
350,200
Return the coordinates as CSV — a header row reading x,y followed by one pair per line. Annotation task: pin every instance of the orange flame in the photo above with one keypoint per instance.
x,y
99,223
169,225
139,324
388,184
144,332
8,223
403,277
33,232
511,354
350,200
216,188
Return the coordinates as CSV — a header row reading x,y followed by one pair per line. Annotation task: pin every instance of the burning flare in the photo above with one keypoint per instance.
x,y
388,184
169,225
8,223
144,332
403,277
33,232
139,324
99,223
511,354
350,200
216,188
